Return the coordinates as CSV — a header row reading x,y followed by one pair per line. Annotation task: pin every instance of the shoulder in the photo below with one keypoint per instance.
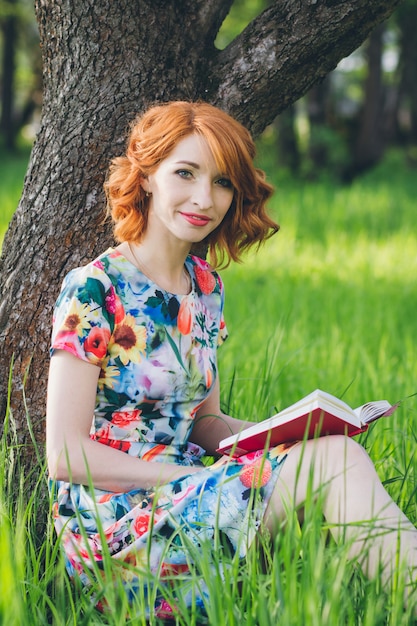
x,y
93,283
99,269
206,279
85,311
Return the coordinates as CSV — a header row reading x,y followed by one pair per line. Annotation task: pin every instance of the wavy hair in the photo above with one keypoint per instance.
x,y
153,136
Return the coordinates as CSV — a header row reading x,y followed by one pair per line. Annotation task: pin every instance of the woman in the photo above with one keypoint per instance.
x,y
134,345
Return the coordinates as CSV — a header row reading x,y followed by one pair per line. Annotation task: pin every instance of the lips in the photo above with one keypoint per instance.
x,y
196,220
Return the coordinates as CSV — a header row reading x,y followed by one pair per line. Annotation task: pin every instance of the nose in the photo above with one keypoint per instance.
x,y
203,195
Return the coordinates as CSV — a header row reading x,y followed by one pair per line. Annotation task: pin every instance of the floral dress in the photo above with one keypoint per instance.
x,y
157,357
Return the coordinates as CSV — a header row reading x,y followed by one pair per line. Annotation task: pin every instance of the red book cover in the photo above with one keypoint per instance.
x,y
316,415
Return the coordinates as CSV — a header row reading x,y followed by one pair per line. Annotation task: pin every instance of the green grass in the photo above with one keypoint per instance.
x,y
329,302
13,168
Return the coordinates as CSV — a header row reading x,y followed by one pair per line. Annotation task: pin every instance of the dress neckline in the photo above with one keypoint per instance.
x,y
187,266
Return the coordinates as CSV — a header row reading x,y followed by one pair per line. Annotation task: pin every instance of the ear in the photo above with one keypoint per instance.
x,y
144,183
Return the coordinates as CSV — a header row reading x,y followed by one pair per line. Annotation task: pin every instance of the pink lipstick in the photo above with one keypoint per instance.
x,y
196,220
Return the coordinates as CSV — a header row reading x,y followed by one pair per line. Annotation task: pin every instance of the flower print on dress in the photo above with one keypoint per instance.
x,y
77,319
257,473
154,377
79,550
117,444
127,419
164,610
108,375
114,305
141,524
98,263
128,341
200,263
205,279
185,317
162,307
69,341
95,344
205,338
206,327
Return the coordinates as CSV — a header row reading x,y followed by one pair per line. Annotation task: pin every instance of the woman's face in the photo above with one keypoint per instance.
x,y
190,196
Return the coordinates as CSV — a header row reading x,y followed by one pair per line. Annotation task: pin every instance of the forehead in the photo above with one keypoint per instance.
x,y
192,149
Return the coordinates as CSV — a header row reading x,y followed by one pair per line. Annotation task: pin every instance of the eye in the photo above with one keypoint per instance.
x,y
225,182
184,173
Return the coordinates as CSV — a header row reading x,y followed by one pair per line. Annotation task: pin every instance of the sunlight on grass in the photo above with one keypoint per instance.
x,y
329,302
335,287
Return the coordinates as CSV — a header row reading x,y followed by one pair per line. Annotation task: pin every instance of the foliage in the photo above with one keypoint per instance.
x,y
335,135
329,302
13,168
242,12
20,59
344,102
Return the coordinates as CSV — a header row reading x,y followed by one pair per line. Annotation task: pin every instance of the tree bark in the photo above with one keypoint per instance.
x,y
104,62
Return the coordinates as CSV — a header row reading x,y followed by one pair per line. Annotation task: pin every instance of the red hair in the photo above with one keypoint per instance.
x,y
153,136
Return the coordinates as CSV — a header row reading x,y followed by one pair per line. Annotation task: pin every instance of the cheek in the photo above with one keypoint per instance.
x,y
224,203
227,204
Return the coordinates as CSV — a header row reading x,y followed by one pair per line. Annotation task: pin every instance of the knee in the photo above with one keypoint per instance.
x,y
324,459
344,452
347,445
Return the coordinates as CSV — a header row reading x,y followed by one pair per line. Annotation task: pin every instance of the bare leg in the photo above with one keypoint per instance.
x,y
355,503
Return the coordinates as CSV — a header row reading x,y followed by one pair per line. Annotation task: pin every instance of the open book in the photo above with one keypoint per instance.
x,y
316,415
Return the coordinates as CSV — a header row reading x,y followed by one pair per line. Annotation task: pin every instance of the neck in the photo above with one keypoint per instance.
x,y
165,269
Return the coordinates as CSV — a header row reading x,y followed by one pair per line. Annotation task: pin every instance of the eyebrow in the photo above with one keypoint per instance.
x,y
190,163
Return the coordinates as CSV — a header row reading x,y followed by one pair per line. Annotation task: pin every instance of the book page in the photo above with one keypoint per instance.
x,y
371,411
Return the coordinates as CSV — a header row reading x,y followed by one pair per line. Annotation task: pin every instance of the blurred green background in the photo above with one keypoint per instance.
x,y
340,128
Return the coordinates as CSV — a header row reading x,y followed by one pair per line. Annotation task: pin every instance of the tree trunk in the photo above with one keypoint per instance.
x,y
369,145
317,105
104,62
288,154
407,20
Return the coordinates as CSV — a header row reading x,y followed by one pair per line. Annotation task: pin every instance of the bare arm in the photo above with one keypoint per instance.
x,y
211,425
71,454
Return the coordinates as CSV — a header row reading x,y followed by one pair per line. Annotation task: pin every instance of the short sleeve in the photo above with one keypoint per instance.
x,y
83,318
